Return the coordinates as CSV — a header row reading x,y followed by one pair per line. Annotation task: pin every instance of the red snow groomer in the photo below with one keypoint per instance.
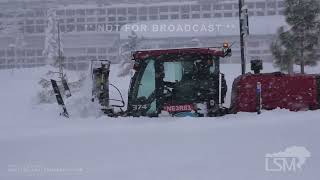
x,y
268,91
188,82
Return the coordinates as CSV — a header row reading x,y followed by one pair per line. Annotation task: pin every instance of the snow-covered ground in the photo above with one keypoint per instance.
x,y
36,143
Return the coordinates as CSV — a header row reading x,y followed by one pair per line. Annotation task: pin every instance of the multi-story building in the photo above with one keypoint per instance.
x,y
91,30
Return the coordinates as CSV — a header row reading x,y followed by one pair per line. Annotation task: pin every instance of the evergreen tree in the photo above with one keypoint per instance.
x,y
298,44
125,53
51,52
284,51
51,49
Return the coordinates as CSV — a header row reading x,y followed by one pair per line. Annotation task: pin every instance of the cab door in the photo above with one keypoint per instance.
x,y
143,90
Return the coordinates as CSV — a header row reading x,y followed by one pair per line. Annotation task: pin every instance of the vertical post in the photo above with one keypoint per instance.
x,y
241,20
220,90
259,99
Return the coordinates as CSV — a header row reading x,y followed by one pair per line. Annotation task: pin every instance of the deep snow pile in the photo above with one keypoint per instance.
x,y
36,143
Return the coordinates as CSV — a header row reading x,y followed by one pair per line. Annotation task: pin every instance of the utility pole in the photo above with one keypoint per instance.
x,y
244,30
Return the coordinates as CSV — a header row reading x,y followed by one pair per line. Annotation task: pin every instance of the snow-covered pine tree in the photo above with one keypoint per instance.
x,y
284,51
125,53
51,52
301,41
51,48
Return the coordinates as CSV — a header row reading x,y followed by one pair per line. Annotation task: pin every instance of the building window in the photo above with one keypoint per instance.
x,y
31,52
21,53
112,11
254,52
72,20
250,5
40,60
206,7
217,7
174,8
164,9
2,53
111,19
236,6
175,16
260,13
112,50
40,29
185,9
80,20
102,50
40,21
195,16
122,11
143,11
281,12
30,29
91,50
206,15
40,13
143,18
185,16
70,12
217,15
70,28
132,18
195,7
20,23
253,44
103,19
101,11
80,12
30,14
122,18
10,53
271,13
92,19
61,21
2,61
153,17
39,52
81,27
261,5
132,11
271,5
227,14
266,51
227,6
90,12
163,17
153,10
29,22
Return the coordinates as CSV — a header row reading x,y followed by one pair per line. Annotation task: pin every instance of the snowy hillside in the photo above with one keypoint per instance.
x,y
36,143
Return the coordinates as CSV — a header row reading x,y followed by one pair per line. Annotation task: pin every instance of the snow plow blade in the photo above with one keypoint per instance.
x,y
293,92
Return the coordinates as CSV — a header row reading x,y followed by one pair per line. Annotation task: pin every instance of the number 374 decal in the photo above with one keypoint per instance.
x,y
137,107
